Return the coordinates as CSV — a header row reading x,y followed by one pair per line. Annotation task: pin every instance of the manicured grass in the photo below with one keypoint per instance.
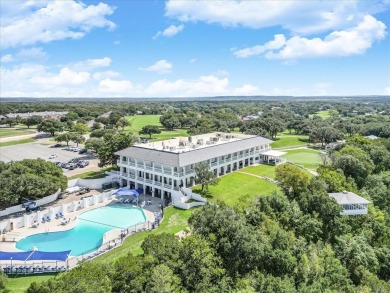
x,y
233,186
137,122
7,132
15,142
322,114
308,158
290,140
21,283
89,175
261,170
174,221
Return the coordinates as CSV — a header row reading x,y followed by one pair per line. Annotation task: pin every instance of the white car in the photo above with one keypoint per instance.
x,y
52,156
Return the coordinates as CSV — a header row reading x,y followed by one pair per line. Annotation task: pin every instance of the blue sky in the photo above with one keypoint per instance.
x,y
192,48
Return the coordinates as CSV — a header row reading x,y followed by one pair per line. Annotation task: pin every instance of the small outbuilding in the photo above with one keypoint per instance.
x,y
273,157
351,203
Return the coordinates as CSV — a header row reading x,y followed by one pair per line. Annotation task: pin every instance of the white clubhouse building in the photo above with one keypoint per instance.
x,y
161,167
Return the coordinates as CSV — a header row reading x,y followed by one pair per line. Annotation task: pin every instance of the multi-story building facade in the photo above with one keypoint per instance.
x,y
161,167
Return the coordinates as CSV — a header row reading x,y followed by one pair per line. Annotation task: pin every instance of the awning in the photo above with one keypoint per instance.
x,y
123,191
35,255
273,153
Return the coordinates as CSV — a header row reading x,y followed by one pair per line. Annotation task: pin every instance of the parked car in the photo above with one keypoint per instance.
x,y
82,163
83,191
63,165
58,164
71,166
83,151
57,145
52,156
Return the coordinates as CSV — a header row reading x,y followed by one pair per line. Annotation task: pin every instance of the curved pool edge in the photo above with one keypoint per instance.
x,y
106,237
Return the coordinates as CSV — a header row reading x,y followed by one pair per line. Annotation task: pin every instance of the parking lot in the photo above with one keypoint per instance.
x,y
38,150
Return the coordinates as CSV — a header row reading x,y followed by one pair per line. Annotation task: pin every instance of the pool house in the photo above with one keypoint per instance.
x,y
351,203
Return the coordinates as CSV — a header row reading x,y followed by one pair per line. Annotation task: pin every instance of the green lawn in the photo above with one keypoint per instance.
x,y
20,284
308,158
290,140
15,142
137,122
174,221
7,132
322,114
89,175
261,170
233,186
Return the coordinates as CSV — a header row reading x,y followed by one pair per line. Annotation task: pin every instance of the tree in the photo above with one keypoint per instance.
x,y
325,135
205,176
50,126
94,144
95,126
149,130
123,122
67,137
33,120
112,144
77,138
80,128
292,179
10,121
351,167
163,280
31,178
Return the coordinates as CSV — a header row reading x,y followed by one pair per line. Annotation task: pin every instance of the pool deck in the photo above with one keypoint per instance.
x,y
55,224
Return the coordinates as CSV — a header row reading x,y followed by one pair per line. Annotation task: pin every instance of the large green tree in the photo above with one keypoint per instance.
x,y
205,176
292,179
50,126
112,144
150,130
30,178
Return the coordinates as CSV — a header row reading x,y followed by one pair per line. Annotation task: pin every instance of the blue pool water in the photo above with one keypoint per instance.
x,y
88,233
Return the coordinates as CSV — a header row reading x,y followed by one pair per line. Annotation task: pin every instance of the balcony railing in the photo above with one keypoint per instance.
x,y
140,178
149,168
131,164
157,183
169,186
158,170
148,181
132,176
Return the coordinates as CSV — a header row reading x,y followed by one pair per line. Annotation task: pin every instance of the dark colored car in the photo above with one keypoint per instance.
x,y
83,191
63,165
83,151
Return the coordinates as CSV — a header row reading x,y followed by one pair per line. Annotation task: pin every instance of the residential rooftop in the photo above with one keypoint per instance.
x,y
184,151
347,197
186,144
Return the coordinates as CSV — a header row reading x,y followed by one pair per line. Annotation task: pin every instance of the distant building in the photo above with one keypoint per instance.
x,y
372,137
351,203
159,168
45,115
2,117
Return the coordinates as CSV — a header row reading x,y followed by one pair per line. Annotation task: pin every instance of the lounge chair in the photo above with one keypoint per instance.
x,y
35,224
121,200
57,216
60,215
48,219
43,220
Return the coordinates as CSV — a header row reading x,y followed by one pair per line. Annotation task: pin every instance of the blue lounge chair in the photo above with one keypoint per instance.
x,y
60,215
57,216
43,220
48,219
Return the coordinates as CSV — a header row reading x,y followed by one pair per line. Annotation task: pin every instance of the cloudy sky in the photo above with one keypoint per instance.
x,y
129,48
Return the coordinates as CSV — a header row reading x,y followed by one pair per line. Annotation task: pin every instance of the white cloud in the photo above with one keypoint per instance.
x,y
170,31
105,74
91,64
123,87
246,90
207,85
34,53
387,91
276,43
302,17
7,58
160,67
48,21
353,41
193,60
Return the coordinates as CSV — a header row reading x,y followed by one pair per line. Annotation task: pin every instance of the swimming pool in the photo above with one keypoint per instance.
x,y
88,233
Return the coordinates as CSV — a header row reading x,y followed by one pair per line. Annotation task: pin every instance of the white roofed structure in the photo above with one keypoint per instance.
x,y
273,157
351,203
